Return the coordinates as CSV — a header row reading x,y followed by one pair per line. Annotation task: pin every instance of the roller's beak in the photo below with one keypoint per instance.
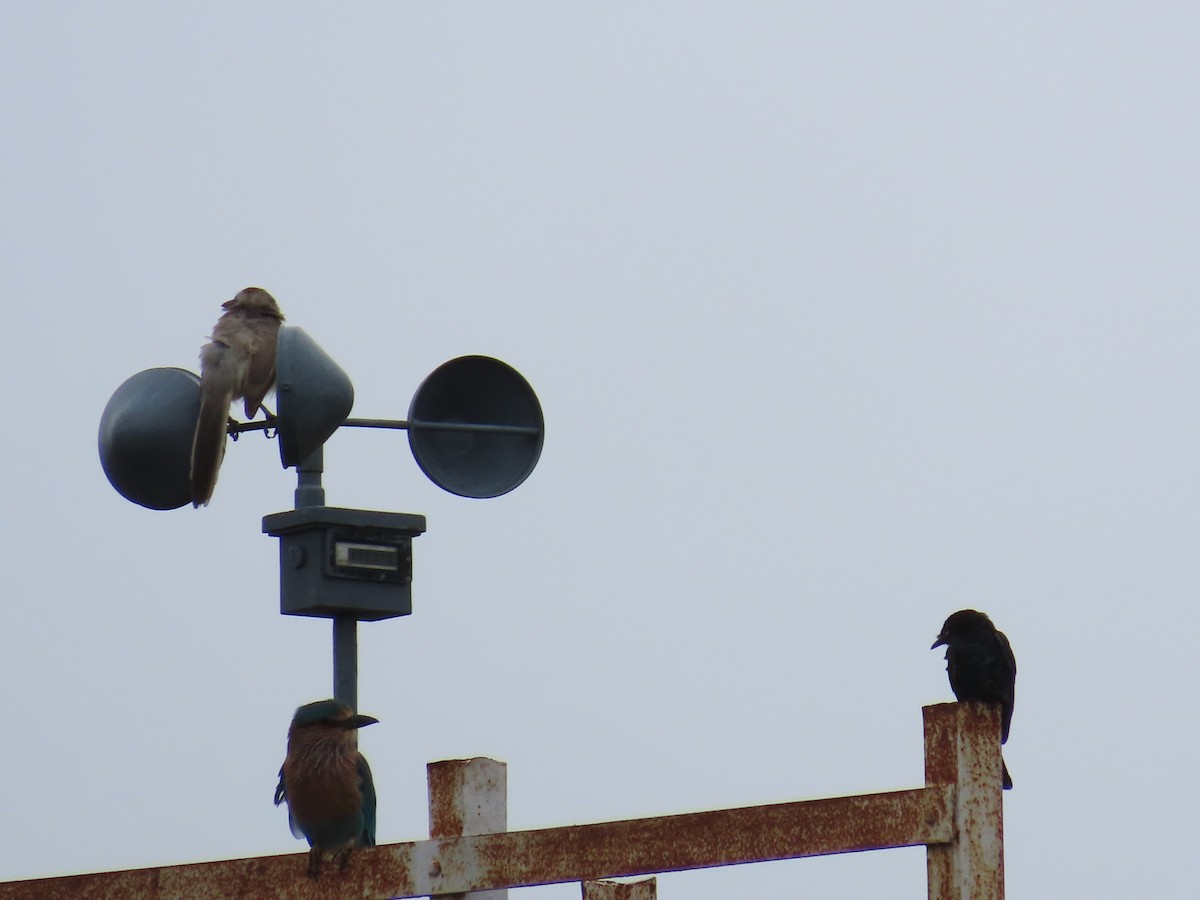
x,y
360,722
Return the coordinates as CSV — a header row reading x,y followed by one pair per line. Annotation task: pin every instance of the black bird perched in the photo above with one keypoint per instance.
x,y
981,666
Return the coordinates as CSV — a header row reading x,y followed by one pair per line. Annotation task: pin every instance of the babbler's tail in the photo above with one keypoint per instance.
x,y
208,445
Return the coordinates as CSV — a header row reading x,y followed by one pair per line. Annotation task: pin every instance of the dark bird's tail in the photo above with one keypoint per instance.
x,y
208,445
1005,775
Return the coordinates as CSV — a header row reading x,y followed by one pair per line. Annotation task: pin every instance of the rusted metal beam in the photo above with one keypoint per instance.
x,y
689,841
962,747
450,865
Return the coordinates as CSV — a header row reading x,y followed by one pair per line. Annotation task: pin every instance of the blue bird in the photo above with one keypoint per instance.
x,y
327,783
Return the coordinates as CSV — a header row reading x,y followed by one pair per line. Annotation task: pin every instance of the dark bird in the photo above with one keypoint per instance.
x,y
981,666
327,783
237,363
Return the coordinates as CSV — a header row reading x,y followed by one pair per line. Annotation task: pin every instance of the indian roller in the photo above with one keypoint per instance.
x,y
327,783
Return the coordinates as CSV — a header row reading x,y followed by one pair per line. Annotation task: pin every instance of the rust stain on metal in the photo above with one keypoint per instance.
x,y
262,878
467,796
446,813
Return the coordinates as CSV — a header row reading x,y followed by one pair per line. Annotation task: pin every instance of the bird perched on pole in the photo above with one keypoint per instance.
x,y
981,666
237,363
327,783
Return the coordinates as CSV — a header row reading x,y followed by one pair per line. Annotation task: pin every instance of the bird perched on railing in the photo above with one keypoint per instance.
x,y
327,783
981,666
237,363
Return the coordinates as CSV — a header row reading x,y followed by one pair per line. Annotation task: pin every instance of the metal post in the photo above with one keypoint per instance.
x,y
962,747
646,889
345,660
468,796
309,493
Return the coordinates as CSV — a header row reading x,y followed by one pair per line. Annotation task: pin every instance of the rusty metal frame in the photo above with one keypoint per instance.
x,y
957,816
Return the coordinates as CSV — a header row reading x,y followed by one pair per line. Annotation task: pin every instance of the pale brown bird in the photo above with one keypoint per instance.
x,y
238,362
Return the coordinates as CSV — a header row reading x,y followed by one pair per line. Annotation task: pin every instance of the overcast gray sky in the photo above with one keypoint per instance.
x,y
843,316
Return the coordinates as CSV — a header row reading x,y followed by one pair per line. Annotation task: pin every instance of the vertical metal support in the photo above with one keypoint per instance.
x,y
345,660
962,747
468,796
646,889
309,491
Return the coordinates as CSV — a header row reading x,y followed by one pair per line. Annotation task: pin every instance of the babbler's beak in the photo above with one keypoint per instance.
x,y
360,721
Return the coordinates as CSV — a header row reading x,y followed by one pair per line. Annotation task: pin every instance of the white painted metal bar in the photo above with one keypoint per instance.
x,y
468,796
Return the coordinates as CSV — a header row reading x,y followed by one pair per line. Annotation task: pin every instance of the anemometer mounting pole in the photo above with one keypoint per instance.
x,y
345,660
309,490
311,493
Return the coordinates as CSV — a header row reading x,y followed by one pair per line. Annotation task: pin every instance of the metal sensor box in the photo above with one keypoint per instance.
x,y
344,562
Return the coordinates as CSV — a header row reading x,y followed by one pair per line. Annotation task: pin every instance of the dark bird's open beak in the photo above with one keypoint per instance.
x,y
359,722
